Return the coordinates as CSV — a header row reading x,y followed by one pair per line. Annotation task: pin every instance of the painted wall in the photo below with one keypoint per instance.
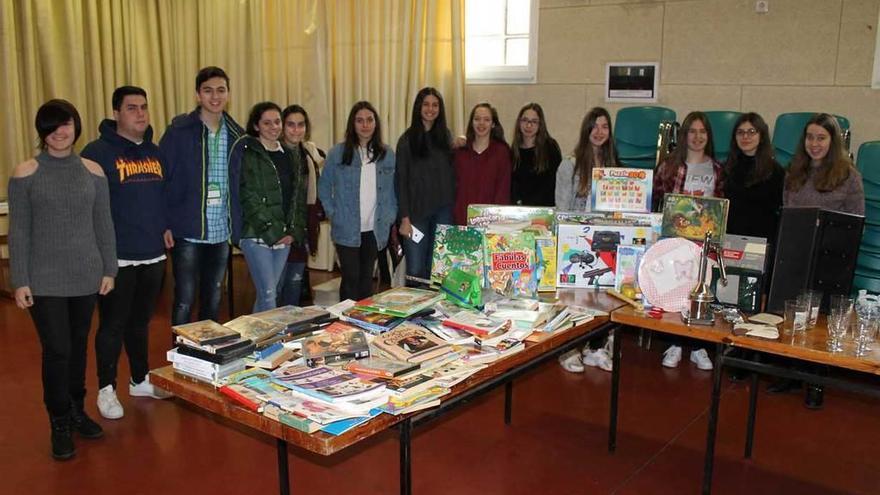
x,y
801,56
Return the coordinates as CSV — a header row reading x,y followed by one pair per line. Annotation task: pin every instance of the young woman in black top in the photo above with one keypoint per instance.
x,y
425,180
535,156
753,180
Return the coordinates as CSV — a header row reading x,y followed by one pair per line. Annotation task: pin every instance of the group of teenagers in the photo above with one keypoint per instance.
x,y
93,228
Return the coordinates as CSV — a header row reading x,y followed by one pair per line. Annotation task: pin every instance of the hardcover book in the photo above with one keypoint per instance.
x,y
255,329
339,342
412,343
205,332
293,316
400,301
458,247
511,269
692,216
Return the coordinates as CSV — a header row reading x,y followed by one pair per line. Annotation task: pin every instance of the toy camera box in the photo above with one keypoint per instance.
x,y
587,252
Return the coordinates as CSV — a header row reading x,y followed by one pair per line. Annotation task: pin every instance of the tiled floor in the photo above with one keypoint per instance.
x,y
555,445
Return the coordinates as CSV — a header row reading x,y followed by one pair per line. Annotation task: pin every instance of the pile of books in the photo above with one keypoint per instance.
x,y
209,351
330,370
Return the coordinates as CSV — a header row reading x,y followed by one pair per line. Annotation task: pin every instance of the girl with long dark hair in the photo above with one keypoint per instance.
x,y
425,179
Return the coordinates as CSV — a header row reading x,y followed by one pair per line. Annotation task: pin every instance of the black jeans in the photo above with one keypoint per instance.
x,y
192,263
125,318
357,264
63,326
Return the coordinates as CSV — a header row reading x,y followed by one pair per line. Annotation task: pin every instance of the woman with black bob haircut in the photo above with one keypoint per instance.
x,y
356,189
482,166
425,180
62,255
535,157
753,180
297,137
272,194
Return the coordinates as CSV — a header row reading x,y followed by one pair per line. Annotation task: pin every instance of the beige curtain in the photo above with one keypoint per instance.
x,y
324,55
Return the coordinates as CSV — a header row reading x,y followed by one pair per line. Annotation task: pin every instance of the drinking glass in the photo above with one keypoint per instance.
x,y
795,317
838,323
867,313
813,299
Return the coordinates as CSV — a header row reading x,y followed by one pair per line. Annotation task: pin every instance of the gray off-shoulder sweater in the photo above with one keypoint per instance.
x,y
61,239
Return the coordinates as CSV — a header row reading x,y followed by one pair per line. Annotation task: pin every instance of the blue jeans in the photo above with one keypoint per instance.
x,y
265,266
290,287
419,256
205,264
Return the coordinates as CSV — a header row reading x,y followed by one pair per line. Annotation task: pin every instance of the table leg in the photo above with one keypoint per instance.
x,y
713,420
230,287
508,401
615,388
283,473
405,457
753,407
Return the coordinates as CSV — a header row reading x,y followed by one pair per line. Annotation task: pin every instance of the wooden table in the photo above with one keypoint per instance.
x,y
502,372
807,347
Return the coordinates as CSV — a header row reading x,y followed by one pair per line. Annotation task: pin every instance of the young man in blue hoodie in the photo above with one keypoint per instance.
x,y
135,176
201,196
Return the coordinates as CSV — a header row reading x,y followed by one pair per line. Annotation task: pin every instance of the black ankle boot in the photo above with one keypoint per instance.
x,y
83,424
62,438
815,396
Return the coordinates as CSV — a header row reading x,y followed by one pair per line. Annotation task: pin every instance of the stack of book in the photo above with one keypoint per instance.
x,y
208,351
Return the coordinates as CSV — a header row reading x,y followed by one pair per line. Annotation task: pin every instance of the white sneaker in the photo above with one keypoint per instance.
x,y
701,358
147,389
672,356
571,362
108,404
598,358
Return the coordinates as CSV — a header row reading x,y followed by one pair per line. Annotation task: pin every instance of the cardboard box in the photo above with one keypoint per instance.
x,y
587,252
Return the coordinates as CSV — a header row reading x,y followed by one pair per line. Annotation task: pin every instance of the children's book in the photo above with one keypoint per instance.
x,y
626,275
511,268
692,216
545,251
458,247
621,189
401,301
411,342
